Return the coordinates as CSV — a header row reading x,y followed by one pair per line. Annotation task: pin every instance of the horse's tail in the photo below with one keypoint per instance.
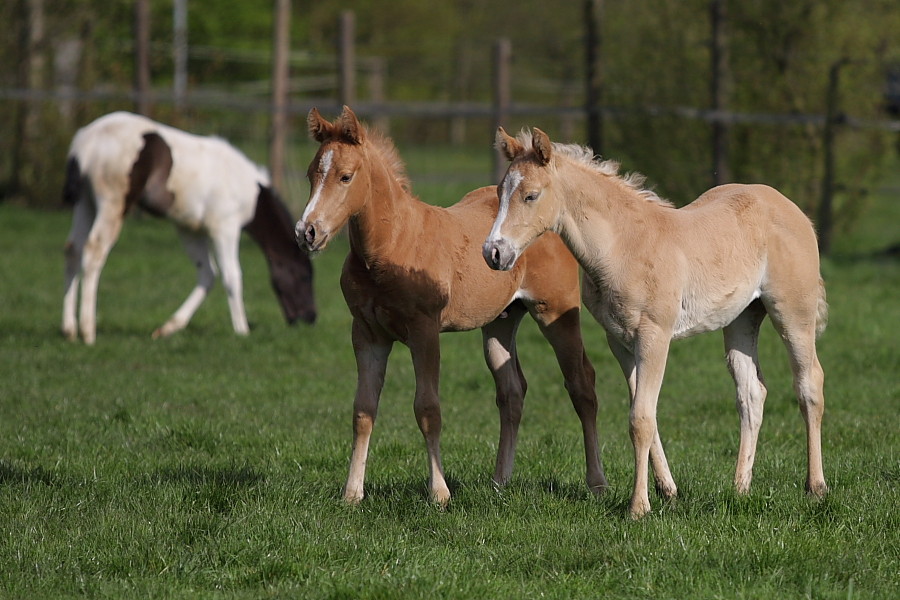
x,y
72,188
821,309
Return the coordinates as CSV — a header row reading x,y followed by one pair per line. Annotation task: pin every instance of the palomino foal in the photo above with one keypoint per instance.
x,y
654,274
202,184
413,271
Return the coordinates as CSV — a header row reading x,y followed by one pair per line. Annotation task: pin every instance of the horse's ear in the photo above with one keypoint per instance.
x,y
540,141
351,129
508,145
319,128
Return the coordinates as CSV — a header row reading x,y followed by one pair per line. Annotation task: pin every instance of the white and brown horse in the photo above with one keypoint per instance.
x,y
415,270
205,186
654,274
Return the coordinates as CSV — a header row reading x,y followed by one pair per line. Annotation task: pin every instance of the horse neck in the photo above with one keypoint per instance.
x,y
598,212
388,213
271,227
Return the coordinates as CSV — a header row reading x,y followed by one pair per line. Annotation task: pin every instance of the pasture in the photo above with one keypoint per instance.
x,y
207,465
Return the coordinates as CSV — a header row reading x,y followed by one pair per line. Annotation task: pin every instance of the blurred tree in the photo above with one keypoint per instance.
x,y
656,62
783,54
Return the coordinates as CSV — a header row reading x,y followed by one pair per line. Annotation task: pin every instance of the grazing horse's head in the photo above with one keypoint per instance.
x,y
529,205
290,270
338,189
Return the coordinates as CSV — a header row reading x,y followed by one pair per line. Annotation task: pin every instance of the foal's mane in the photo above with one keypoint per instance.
x,y
584,155
385,147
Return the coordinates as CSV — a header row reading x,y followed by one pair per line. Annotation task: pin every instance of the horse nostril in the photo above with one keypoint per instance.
x,y
495,256
310,235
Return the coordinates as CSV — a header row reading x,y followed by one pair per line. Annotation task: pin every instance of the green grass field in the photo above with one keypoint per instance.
x,y
205,466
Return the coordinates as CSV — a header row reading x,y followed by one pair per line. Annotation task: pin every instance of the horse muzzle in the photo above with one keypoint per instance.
x,y
499,254
309,237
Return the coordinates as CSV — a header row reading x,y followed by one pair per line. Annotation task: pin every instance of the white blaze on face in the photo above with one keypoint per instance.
x,y
510,184
325,167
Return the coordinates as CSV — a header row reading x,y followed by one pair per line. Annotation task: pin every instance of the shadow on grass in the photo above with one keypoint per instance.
x,y
12,474
210,489
404,489
229,476
406,493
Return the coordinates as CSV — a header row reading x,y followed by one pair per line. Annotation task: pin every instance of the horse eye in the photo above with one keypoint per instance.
x,y
531,197
346,177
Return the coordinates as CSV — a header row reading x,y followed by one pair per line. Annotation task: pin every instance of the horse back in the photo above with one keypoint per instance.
x,y
196,181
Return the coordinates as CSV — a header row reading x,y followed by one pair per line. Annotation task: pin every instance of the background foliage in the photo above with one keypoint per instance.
x,y
656,59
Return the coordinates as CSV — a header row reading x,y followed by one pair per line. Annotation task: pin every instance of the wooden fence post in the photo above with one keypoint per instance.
x,y
27,130
461,73
502,98
719,82
142,57
280,74
833,118
376,80
347,59
593,16
179,53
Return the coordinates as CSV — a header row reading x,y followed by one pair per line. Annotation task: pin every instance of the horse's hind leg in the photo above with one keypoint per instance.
x,y
809,381
799,336
665,483
741,337
499,341
197,249
371,363
424,346
564,334
82,217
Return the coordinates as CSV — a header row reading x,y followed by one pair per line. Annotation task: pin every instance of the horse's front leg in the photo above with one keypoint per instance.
x,y
103,235
372,353
651,352
227,242
665,483
425,349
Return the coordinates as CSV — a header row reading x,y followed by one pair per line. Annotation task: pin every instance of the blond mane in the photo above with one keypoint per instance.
x,y
584,156
388,152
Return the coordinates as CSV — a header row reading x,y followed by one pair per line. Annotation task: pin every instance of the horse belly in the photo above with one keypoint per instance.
x,y
476,301
701,314
186,215
474,311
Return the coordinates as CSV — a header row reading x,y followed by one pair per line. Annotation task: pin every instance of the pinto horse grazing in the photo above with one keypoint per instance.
x,y
654,274
205,186
413,272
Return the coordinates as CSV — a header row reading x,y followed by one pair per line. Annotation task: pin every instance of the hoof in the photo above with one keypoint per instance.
x,y
441,500
818,490
667,492
353,498
638,510
599,490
